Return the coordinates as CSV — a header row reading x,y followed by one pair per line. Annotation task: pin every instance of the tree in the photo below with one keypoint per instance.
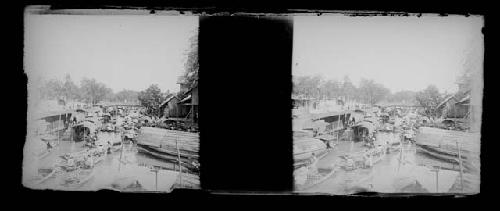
x,y
93,91
69,89
403,97
151,98
126,96
470,75
307,86
429,98
52,89
372,92
192,64
348,89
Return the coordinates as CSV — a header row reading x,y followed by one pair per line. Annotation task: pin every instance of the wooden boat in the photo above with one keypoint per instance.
x,y
78,179
172,151
186,163
441,146
305,149
307,159
313,177
163,138
46,175
43,154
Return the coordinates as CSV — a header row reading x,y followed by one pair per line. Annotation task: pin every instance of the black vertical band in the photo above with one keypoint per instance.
x,y
245,103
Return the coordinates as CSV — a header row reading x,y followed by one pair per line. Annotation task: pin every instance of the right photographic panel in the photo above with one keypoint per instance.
x,y
387,104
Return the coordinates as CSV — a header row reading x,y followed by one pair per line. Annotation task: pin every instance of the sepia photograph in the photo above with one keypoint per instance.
x,y
387,104
112,100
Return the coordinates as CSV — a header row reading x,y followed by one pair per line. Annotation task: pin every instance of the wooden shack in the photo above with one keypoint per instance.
x,y
455,106
191,103
57,120
336,120
172,109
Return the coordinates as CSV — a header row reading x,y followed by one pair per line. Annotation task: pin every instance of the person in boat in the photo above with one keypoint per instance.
x,y
49,146
70,163
109,147
313,159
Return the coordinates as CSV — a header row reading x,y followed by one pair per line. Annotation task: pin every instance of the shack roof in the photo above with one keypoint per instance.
x,y
45,114
464,100
168,100
330,114
185,99
193,86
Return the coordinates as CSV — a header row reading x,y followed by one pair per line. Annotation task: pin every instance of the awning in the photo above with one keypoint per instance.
x,y
46,114
367,125
92,127
330,115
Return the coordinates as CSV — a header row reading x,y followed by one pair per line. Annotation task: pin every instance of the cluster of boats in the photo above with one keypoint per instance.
x,y
72,170
381,132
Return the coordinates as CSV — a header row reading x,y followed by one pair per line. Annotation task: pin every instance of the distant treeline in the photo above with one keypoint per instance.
x,y
368,91
89,91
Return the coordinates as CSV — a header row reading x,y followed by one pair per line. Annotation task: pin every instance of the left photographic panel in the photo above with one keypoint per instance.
x,y
112,100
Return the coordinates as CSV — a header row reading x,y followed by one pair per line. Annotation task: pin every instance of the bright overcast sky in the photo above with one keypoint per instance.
x,y
403,53
122,51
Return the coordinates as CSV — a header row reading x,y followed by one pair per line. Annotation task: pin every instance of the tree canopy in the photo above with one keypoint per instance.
x,y
151,98
403,97
93,91
372,92
316,87
90,91
429,98
192,65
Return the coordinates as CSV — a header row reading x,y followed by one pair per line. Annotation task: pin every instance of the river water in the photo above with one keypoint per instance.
x,y
397,172
117,170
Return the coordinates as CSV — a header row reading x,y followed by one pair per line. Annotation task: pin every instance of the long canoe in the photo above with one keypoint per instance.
x,y
172,159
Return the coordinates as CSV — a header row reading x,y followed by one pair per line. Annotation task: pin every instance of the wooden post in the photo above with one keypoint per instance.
x,y
436,169
121,153
58,132
352,142
437,180
461,167
178,158
400,154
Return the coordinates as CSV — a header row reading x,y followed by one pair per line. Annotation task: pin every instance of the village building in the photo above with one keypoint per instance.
x,y
455,109
190,102
171,107
183,105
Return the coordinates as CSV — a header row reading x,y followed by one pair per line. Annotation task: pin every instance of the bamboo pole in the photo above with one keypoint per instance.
x,y
121,153
352,143
436,169
179,160
400,154
58,133
461,167
437,180
156,179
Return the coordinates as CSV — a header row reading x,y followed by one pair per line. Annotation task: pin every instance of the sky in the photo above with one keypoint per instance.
x,y
122,51
402,53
